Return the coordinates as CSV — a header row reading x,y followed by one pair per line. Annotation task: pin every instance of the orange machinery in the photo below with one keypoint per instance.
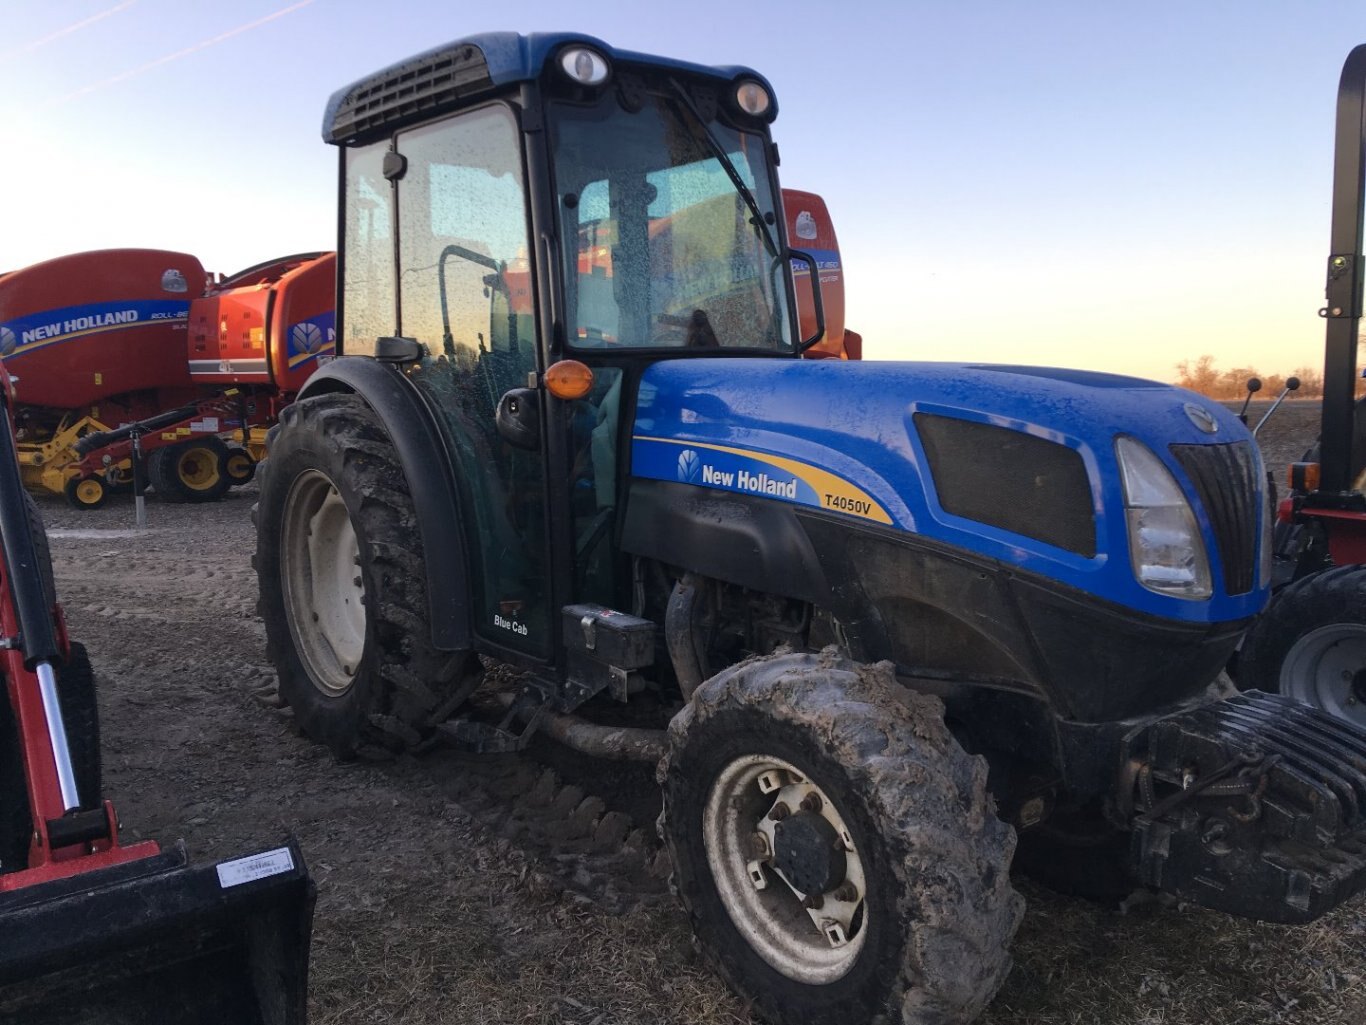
x,y
139,348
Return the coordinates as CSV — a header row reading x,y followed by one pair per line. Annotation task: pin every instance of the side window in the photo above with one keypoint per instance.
x,y
465,292
368,296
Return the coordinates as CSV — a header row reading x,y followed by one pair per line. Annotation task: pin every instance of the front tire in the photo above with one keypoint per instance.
x,y
910,918
85,493
1310,644
239,465
343,587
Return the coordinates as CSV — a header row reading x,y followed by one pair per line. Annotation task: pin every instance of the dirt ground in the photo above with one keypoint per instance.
x,y
458,890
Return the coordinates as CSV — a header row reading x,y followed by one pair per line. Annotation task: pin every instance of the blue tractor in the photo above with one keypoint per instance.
x,y
889,619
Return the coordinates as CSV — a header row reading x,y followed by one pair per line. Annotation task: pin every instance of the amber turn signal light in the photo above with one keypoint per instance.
x,y
1304,477
568,379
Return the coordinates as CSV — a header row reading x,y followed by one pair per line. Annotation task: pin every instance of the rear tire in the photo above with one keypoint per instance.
x,y
81,715
343,586
921,894
190,471
1310,644
15,821
76,691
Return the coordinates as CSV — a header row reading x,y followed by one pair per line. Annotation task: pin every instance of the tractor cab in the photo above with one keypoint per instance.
x,y
513,204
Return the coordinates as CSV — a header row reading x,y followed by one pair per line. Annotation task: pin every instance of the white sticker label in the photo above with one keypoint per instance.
x,y
208,425
257,866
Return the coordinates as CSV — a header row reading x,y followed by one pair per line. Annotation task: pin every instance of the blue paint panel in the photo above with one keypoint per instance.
x,y
308,338
749,473
36,330
826,259
855,420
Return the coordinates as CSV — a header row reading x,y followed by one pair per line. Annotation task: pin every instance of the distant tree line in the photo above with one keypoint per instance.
x,y
1203,376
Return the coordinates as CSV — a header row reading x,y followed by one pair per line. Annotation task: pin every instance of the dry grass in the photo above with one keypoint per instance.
x,y
1078,962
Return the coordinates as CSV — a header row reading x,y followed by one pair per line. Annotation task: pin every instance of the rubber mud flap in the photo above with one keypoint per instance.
x,y
158,940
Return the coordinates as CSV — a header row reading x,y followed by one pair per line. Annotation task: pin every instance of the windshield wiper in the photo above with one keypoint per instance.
x,y
756,216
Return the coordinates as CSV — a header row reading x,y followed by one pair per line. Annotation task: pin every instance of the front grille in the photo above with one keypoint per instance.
x,y
1225,479
1012,480
423,87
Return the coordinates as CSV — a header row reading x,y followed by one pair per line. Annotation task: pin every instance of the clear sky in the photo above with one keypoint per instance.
x,y
1108,185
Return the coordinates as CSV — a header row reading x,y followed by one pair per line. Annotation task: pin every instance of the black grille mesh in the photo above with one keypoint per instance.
x,y
1011,480
424,87
1225,478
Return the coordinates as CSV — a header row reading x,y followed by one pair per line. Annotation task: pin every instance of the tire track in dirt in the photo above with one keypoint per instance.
x,y
586,829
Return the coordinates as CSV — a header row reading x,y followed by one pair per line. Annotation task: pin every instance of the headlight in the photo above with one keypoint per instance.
x,y
752,98
585,66
1165,548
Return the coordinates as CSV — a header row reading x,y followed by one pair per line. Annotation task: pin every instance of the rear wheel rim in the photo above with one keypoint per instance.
x,y
1326,668
197,468
323,588
770,915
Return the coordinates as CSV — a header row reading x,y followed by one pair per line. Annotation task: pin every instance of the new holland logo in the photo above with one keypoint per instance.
x,y
307,337
1201,417
688,466
7,341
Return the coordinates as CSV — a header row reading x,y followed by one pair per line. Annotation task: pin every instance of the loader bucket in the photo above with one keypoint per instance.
x,y
160,942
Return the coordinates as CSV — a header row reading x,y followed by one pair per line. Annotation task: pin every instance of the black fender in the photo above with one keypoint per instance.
x,y
427,466
756,544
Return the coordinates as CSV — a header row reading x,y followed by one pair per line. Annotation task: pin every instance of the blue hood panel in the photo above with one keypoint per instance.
x,y
839,437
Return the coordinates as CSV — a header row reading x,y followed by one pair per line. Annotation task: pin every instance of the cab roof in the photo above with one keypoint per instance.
x,y
449,76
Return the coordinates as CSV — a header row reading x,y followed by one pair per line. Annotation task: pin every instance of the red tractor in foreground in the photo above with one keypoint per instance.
x,y
1311,642
92,930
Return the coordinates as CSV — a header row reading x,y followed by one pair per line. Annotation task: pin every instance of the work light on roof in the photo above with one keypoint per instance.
x,y
752,98
585,66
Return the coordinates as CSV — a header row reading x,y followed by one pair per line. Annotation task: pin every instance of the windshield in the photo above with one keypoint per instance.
x,y
661,248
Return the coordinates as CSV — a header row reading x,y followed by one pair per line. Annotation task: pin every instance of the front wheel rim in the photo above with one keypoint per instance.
x,y
323,588
1326,668
810,944
89,491
238,465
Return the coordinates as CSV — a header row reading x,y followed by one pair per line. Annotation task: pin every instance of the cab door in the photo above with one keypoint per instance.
x,y
464,290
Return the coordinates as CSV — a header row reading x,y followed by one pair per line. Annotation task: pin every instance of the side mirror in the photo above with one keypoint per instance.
x,y
518,419
810,261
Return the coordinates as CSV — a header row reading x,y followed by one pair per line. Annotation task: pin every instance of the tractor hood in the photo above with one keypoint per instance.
x,y
1016,464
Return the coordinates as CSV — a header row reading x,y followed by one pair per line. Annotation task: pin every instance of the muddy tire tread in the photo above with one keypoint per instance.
x,y
933,811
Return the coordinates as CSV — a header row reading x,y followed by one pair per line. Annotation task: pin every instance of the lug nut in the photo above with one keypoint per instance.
x,y
780,811
758,845
1216,831
846,892
814,903
811,802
